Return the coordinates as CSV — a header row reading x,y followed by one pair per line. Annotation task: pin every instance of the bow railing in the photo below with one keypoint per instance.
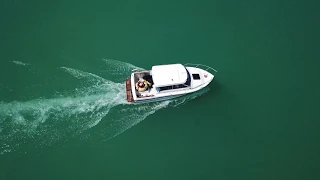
x,y
205,67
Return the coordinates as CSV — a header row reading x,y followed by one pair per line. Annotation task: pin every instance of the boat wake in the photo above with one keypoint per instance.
x,y
97,111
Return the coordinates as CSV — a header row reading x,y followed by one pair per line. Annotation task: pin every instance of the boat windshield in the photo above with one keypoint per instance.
x,y
188,78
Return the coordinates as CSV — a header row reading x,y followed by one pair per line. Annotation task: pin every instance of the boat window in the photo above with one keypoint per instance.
x,y
179,86
165,88
196,76
188,78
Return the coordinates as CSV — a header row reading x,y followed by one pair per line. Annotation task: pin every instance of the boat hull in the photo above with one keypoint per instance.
x,y
198,79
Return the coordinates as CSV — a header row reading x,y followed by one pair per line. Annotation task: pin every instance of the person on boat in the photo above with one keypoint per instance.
x,y
142,85
148,78
148,83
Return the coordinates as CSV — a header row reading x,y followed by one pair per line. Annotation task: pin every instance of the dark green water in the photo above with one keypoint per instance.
x,y
63,113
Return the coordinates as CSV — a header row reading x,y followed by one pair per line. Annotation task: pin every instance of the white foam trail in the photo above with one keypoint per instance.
x,y
116,69
118,66
98,109
20,63
59,116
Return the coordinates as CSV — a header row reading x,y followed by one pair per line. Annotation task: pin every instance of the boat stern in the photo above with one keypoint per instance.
x,y
129,91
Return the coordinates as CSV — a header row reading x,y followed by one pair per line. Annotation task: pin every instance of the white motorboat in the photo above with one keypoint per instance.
x,y
165,82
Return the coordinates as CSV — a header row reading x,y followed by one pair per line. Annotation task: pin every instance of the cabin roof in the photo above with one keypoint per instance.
x,y
167,75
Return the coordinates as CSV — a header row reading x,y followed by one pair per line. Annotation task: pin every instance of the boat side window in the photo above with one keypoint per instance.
x,y
165,88
179,86
196,76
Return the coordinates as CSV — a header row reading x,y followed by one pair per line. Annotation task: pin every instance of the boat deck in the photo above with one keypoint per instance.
x,y
129,91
